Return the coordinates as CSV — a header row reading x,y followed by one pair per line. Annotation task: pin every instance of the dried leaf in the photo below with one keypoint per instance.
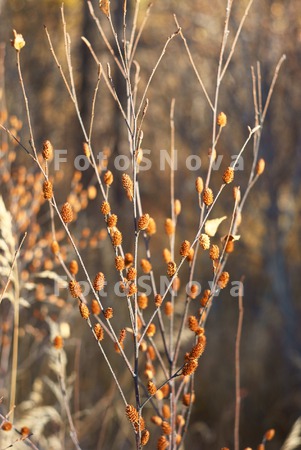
x,y
105,7
212,225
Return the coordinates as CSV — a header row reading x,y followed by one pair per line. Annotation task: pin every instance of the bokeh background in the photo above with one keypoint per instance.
x,y
268,254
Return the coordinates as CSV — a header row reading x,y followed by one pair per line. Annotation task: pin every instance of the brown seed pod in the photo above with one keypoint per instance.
x,y
99,333
171,268
229,247
95,308
152,227
6,426
190,367
223,280
84,311
139,425
214,252
108,313
122,335
132,289
127,184
145,265
166,255
158,300
151,330
177,207
151,388
151,352
128,259
180,421
187,399
190,255
119,263
25,431
105,208
86,150
112,221
184,250
178,439
142,301
73,267
58,342
199,185
204,241
193,323
166,427
208,196
55,247
116,238
156,420
162,443
47,190
143,222
131,413
205,298
67,213
193,291
99,281
108,178
75,289
199,348
169,227
131,274
222,119
269,434
145,437
166,410
260,166
228,176
168,309
165,391
47,151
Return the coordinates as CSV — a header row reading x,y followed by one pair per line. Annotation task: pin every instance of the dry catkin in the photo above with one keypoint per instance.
x,y
108,313
112,221
190,367
55,247
47,190
177,207
199,185
127,184
269,434
158,300
119,263
208,196
47,151
145,265
169,227
86,149
151,330
168,309
228,176
6,426
204,241
166,427
99,281
165,391
187,399
131,413
222,119
193,323
162,443
75,289
185,248
105,208
98,330
58,342
143,222
131,274
152,227
142,301
128,259
116,238
156,420
223,280
108,178
151,388
95,308
67,213
214,252
165,409
166,255
73,267
84,311
171,268
260,166
145,437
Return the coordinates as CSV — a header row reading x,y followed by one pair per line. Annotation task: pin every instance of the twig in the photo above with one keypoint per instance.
x,y
237,366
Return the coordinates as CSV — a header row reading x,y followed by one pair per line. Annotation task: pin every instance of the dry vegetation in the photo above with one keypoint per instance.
x,y
112,276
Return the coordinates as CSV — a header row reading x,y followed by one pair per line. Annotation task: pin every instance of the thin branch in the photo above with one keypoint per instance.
x,y
237,366
193,64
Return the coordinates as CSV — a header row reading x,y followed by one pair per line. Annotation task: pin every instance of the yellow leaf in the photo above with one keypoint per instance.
x,y
212,225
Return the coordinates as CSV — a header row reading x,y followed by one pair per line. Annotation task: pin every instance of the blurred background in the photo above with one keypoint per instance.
x,y
268,254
